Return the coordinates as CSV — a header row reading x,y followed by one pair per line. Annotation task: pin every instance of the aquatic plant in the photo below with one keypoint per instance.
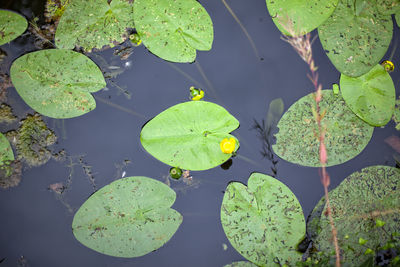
x,y
127,218
6,114
188,135
12,25
10,174
56,82
31,140
264,221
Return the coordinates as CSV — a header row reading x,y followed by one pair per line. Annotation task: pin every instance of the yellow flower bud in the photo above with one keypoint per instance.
x,y
388,65
228,146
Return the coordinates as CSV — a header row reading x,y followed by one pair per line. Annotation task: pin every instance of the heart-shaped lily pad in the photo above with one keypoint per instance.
x,y
188,135
297,141
94,24
300,16
263,221
356,37
371,96
12,25
57,83
358,202
127,218
6,153
173,30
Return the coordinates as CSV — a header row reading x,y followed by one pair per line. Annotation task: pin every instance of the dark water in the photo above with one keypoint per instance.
x,y
35,224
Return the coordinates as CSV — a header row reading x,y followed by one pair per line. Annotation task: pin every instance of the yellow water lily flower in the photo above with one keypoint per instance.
x,y
228,146
196,94
388,65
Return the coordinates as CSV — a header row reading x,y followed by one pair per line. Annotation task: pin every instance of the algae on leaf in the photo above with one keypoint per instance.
x,y
388,7
355,39
94,24
188,135
264,221
370,96
300,16
12,25
241,264
173,30
128,218
297,141
396,114
358,202
57,83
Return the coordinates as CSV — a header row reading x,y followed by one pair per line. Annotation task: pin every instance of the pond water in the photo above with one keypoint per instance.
x,y
104,144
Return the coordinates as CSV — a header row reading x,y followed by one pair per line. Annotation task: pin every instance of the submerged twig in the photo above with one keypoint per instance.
x,y
302,45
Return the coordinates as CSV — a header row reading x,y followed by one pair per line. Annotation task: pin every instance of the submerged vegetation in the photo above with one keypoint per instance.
x,y
358,220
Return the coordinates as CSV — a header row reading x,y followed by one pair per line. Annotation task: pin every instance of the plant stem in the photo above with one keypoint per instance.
x,y
302,45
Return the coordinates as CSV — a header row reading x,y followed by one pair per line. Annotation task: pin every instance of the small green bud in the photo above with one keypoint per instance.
x,y
368,251
346,236
335,88
362,241
175,173
379,223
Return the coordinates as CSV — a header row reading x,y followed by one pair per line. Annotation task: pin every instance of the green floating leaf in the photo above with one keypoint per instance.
x,y
263,221
6,153
298,138
57,83
370,194
371,96
397,17
241,264
300,16
94,24
12,25
127,218
355,39
188,135
173,30
388,7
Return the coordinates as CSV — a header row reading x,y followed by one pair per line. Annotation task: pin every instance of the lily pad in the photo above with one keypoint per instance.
x,y
300,16
397,17
297,141
188,135
94,24
362,198
127,218
6,153
371,96
355,37
264,221
57,83
12,25
173,30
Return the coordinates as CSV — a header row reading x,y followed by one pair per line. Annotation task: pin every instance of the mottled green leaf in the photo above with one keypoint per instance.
x,y
6,153
354,39
188,135
241,264
263,221
57,83
12,25
173,30
370,96
94,24
300,16
397,17
127,218
388,7
362,198
297,141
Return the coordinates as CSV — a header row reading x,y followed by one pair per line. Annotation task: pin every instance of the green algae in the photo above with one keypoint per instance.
x,y
6,114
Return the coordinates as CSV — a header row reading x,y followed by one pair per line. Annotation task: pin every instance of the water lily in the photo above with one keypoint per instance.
x,y
228,146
